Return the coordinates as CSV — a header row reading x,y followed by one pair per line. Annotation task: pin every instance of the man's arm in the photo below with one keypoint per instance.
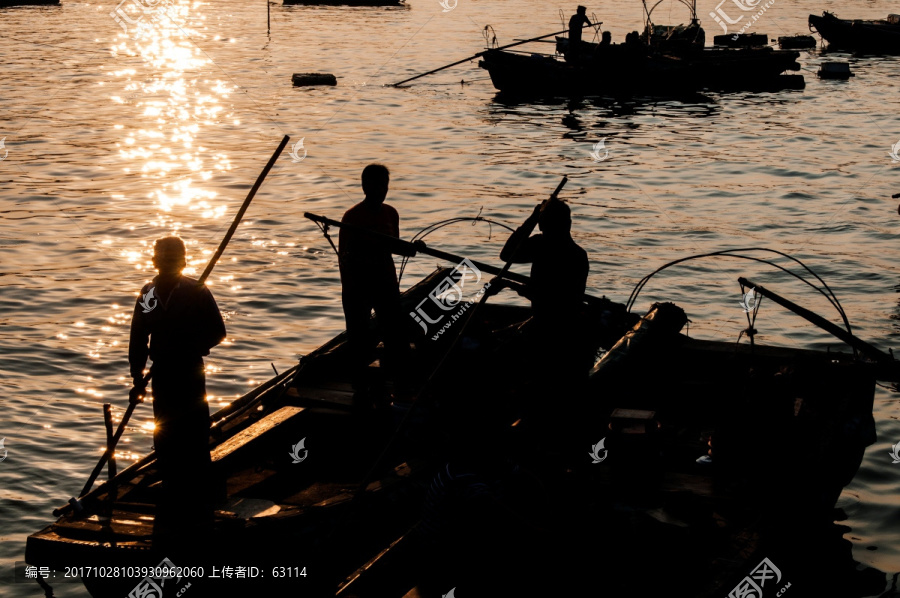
x,y
518,241
137,349
394,222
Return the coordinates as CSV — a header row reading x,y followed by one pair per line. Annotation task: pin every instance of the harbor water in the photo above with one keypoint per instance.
x,y
117,132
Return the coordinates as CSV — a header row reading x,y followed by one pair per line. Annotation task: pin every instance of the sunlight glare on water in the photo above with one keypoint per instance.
x,y
116,138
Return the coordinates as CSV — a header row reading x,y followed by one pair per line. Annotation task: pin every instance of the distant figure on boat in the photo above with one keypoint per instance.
x,y
633,40
606,39
181,321
369,278
576,23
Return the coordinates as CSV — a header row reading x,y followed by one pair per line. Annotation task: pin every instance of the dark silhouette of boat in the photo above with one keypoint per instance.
x,y
344,2
621,70
11,3
663,59
858,35
468,488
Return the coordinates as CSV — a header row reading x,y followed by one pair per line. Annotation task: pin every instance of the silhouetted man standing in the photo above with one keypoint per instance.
x,y
576,23
556,356
369,277
182,322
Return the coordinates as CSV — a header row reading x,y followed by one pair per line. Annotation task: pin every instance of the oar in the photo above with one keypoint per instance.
x,y
446,66
110,449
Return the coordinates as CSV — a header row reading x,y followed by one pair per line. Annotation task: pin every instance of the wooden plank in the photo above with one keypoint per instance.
x,y
337,396
256,430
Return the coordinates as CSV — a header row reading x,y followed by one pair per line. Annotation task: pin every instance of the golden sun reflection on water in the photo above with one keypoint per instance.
x,y
168,105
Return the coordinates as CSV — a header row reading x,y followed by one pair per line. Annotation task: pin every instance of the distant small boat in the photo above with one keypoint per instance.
x,y
345,2
11,3
857,35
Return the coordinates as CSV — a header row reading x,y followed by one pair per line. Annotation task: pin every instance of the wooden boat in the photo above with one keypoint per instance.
x,y
621,70
11,3
858,35
469,488
664,59
344,2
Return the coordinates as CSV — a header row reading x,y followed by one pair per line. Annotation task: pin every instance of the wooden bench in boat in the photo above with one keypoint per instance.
x,y
254,432
335,395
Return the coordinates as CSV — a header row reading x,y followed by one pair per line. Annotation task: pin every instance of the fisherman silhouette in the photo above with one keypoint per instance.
x,y
576,23
555,353
180,319
369,281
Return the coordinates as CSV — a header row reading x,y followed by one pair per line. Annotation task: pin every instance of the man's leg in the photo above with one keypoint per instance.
x,y
392,327
181,438
357,311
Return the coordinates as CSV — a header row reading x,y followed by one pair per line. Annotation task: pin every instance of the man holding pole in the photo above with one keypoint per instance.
x,y
577,22
179,317
556,356
369,279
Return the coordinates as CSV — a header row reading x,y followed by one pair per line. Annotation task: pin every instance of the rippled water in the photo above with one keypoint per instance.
x,y
114,142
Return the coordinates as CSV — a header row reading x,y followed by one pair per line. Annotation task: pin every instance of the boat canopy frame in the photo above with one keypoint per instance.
x,y
648,21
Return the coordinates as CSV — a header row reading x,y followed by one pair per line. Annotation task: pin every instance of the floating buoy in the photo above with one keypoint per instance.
x,y
796,42
741,40
300,79
835,70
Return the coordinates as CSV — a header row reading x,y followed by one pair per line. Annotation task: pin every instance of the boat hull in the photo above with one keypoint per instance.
x,y
469,451
12,3
344,3
869,37
625,72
